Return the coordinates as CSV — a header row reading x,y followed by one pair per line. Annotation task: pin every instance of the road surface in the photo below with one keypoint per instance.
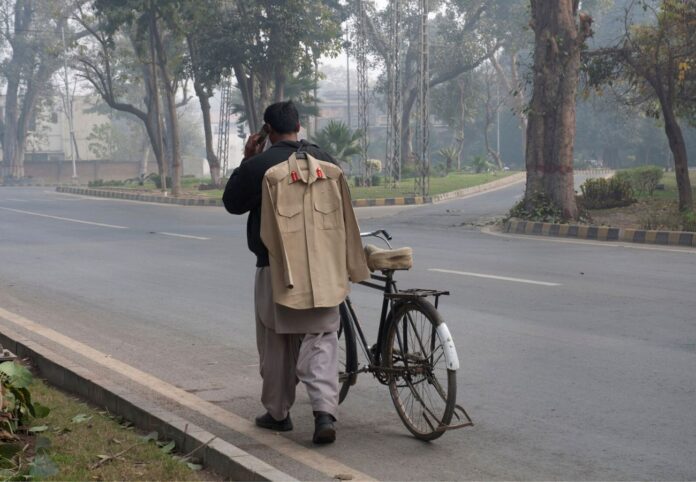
x,y
577,359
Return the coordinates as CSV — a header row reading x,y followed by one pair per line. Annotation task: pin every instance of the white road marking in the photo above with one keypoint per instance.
x,y
589,242
59,218
309,457
17,200
495,277
188,236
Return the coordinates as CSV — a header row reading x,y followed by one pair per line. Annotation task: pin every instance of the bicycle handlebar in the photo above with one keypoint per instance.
x,y
376,234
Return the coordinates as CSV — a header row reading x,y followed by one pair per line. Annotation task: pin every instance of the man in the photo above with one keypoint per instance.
x,y
292,344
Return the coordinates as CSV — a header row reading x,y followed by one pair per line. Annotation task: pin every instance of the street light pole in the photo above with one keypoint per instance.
x,y
68,106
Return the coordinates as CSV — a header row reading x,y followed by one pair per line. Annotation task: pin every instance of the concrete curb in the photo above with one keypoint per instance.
x,y
358,203
219,456
602,233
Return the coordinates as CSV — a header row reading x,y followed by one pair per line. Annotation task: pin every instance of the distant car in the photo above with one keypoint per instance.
x,y
506,168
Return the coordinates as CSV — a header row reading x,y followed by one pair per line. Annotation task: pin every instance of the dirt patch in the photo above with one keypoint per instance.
x,y
657,214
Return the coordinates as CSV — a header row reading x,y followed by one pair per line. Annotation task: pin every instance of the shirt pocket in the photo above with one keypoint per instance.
x,y
289,208
327,201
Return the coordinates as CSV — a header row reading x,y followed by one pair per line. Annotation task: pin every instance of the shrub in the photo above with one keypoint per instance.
x,y
606,193
158,180
103,183
689,221
541,209
643,179
376,180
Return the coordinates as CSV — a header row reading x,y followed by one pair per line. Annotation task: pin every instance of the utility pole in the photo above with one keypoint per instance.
x,y
68,106
497,113
347,45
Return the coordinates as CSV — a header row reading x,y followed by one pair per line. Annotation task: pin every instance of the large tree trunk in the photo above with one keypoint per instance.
x,y
678,148
551,125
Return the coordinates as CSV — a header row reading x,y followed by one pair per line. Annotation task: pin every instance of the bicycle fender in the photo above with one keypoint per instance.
x,y
445,337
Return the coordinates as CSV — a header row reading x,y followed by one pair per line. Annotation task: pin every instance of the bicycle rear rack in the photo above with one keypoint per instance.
x,y
415,293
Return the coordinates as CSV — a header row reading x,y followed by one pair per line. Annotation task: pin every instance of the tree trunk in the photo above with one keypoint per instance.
x,y
678,148
175,143
9,141
213,161
245,84
279,84
171,117
551,125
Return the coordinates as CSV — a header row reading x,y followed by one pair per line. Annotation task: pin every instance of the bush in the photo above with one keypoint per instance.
x,y
542,209
158,180
689,221
376,180
643,179
103,183
606,193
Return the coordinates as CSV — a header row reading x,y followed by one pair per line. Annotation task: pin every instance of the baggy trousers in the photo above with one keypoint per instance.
x,y
286,359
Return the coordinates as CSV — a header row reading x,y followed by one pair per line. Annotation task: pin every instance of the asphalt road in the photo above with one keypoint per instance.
x,y
589,375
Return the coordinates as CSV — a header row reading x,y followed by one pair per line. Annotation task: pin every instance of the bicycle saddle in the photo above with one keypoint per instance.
x,y
386,259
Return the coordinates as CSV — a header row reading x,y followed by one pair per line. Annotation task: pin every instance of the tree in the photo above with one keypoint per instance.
x,y
273,42
463,36
338,140
110,70
559,36
656,62
32,31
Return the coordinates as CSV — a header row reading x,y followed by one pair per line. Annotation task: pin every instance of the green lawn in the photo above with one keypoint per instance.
x,y
438,185
670,192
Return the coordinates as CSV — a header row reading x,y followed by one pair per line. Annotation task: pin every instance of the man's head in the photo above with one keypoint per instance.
x,y
283,121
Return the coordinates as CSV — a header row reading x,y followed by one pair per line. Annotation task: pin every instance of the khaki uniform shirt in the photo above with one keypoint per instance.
x,y
309,228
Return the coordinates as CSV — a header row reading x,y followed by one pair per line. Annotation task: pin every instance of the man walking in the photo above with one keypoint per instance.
x,y
293,344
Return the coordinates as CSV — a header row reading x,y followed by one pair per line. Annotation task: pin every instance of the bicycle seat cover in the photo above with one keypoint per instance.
x,y
387,259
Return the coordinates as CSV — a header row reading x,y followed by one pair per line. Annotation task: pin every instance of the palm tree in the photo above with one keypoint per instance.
x,y
480,164
450,156
339,140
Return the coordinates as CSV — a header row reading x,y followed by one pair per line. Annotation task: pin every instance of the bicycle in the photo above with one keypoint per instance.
x,y
414,354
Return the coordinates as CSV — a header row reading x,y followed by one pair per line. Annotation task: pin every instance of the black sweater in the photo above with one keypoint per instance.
x,y
243,190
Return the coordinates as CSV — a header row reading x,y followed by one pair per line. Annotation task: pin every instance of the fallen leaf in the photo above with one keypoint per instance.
x,y
81,417
169,447
194,466
343,476
38,429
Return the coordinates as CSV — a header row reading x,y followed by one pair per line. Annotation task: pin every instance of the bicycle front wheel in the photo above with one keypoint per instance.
x,y
423,389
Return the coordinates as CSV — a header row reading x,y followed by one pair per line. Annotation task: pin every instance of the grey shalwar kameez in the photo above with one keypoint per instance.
x,y
295,345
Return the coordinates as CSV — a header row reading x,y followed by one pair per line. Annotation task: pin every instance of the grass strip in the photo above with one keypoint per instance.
x,y
438,185
89,444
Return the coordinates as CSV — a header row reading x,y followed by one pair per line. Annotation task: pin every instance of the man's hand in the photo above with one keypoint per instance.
x,y
253,146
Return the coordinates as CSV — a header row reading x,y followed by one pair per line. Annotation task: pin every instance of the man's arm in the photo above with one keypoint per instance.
x,y
243,190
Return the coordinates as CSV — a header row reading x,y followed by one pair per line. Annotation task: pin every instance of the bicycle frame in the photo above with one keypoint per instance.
x,y
392,300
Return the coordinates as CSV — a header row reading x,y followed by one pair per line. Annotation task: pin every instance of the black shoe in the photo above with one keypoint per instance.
x,y
267,421
324,430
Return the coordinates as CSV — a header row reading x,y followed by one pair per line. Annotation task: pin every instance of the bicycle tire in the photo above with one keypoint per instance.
x,y
347,355
424,414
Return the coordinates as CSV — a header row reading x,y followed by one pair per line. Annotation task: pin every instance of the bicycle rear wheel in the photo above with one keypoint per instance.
x,y
347,354
423,389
